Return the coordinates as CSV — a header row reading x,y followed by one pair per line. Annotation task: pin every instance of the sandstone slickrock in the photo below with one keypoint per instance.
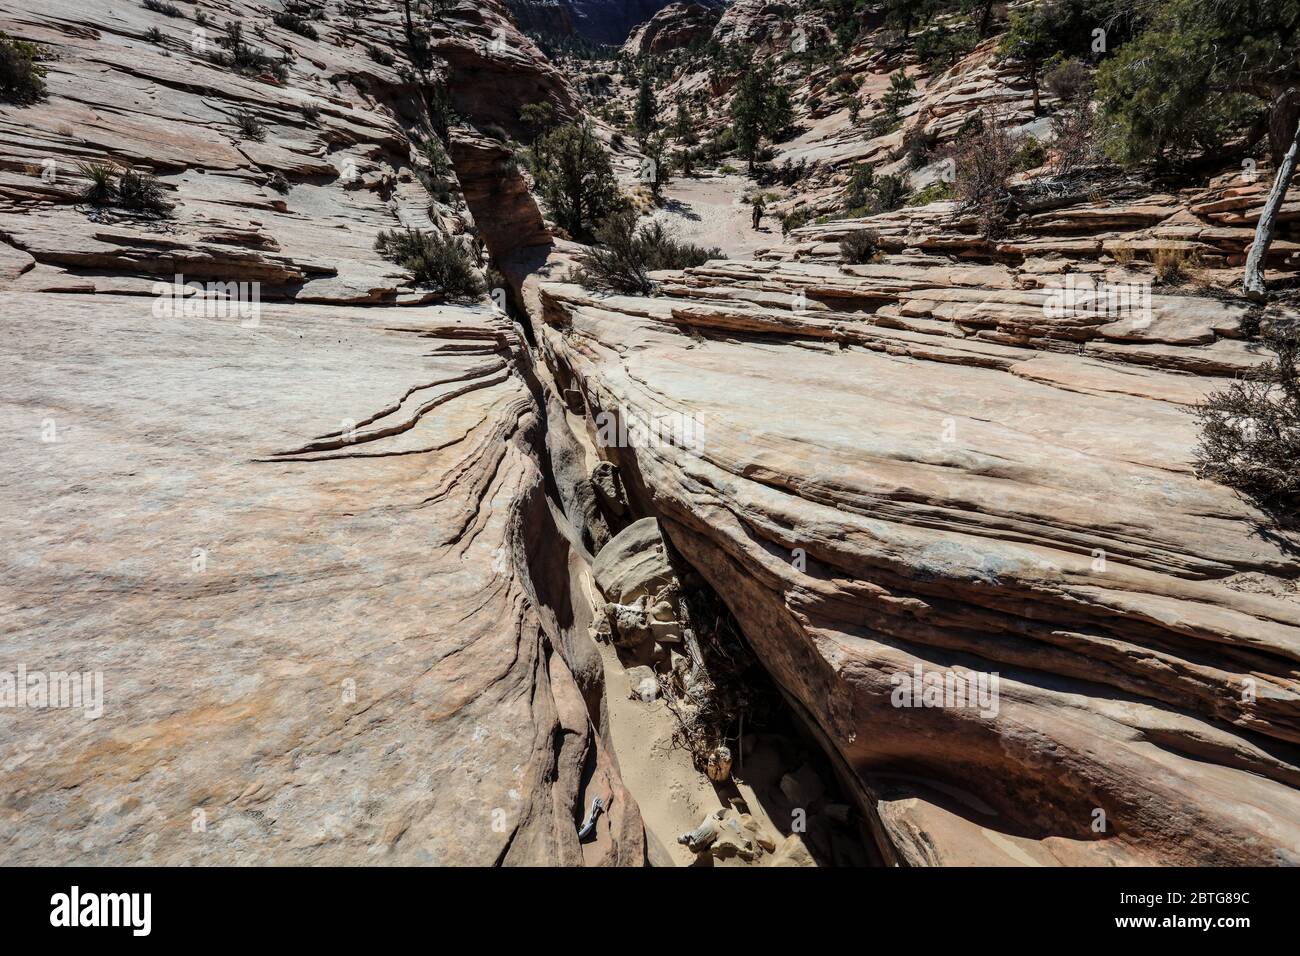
x,y
878,493
311,547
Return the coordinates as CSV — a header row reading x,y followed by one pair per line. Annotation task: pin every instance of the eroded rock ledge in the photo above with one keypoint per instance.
x,y
311,549
883,487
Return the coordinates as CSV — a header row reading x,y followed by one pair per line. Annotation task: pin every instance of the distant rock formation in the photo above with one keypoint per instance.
x,y
673,27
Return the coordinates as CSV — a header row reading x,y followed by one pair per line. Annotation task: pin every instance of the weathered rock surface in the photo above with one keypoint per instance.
x,y
917,465
311,548
675,26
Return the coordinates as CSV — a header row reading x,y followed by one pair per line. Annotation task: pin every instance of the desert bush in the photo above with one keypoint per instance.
x,y
22,78
163,7
1073,139
1250,431
1174,264
940,48
380,55
1030,153
243,58
154,35
985,157
1069,80
892,191
626,254
795,219
860,247
249,126
140,192
435,261
868,194
311,113
1124,255
436,178
935,192
295,23
787,174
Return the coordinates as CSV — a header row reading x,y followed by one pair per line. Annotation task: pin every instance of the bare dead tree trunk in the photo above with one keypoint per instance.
x,y
1254,279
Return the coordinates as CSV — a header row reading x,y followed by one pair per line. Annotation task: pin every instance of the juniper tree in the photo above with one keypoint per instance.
x,y
575,177
1202,72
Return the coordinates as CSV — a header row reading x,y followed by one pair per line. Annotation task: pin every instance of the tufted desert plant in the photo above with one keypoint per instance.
x,y
1174,264
164,7
140,192
249,126
109,185
295,23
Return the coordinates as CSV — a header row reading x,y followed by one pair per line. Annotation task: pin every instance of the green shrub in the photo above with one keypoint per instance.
x,y
891,191
935,192
22,78
434,261
625,255
1250,432
1030,154
436,178
163,7
295,23
796,218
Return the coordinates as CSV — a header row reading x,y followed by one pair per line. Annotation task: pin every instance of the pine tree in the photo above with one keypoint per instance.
x,y
761,107
647,109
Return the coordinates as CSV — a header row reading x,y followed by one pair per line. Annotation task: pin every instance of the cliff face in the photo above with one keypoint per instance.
x,y
304,541
673,27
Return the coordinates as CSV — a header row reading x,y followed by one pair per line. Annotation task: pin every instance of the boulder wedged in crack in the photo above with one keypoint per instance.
x,y
873,496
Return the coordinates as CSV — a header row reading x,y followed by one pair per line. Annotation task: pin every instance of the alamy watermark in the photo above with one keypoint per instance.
x,y
40,690
627,429
946,689
1082,296
211,300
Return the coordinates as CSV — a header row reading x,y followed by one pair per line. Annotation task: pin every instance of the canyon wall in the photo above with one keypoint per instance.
x,y
303,535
